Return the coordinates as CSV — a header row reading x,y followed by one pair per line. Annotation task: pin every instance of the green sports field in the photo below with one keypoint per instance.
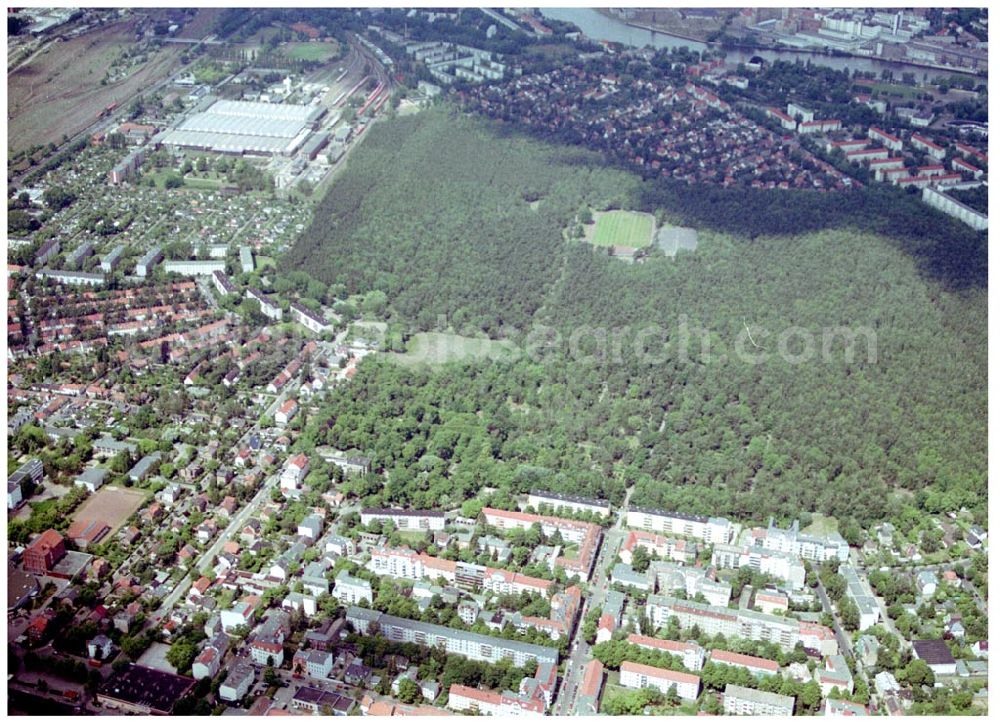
x,y
311,51
628,229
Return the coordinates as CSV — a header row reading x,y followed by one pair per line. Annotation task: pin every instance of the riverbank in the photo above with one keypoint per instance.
x,y
600,24
671,33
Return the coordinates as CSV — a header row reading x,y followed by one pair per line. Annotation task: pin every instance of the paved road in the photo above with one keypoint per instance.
x,y
208,557
579,653
842,640
237,522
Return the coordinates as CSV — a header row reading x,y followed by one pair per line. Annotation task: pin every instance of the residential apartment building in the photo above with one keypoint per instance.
x,y
148,261
637,675
196,268
710,530
885,139
66,277
419,519
601,507
584,535
490,703
741,701
756,666
47,251
690,653
816,548
307,318
747,624
269,308
694,581
239,678
470,645
922,143
860,593
246,259
783,566
223,285
351,589
405,563
665,548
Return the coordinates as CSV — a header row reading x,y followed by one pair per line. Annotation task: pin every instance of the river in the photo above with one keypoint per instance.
x,y
597,26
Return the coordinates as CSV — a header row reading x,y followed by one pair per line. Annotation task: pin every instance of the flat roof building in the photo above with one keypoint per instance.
x,y
246,127
148,261
66,277
246,259
406,518
461,642
569,501
110,261
140,690
740,701
714,530
194,267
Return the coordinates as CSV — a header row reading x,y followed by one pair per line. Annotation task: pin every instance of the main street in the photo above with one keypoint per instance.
x,y
579,649
208,557
237,522
842,640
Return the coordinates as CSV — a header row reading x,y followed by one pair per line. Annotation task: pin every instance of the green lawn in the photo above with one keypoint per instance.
x,y
896,89
437,348
628,229
412,538
821,525
311,51
160,176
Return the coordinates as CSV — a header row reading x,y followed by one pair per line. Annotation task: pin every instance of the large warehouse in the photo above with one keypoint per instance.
x,y
245,127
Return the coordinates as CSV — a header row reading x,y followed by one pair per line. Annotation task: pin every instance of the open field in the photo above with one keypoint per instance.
x,y
628,229
59,92
821,525
190,182
897,89
113,505
311,51
438,348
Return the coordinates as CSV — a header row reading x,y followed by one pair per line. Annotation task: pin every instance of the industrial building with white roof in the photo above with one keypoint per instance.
x,y
245,127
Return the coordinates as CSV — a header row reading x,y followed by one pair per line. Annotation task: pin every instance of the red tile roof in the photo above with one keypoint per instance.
x,y
593,674
745,661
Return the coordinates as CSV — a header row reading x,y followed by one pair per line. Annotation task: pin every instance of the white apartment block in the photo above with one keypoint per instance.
x,y
461,642
692,580
568,501
783,566
690,653
740,701
746,624
351,590
194,268
268,307
711,530
637,675
307,318
406,519
860,593
816,548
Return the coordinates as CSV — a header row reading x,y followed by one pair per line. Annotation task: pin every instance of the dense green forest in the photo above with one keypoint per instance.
x,y
447,227
435,210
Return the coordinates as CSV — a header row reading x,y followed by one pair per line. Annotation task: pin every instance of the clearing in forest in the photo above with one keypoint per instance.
x,y
438,348
821,525
624,229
